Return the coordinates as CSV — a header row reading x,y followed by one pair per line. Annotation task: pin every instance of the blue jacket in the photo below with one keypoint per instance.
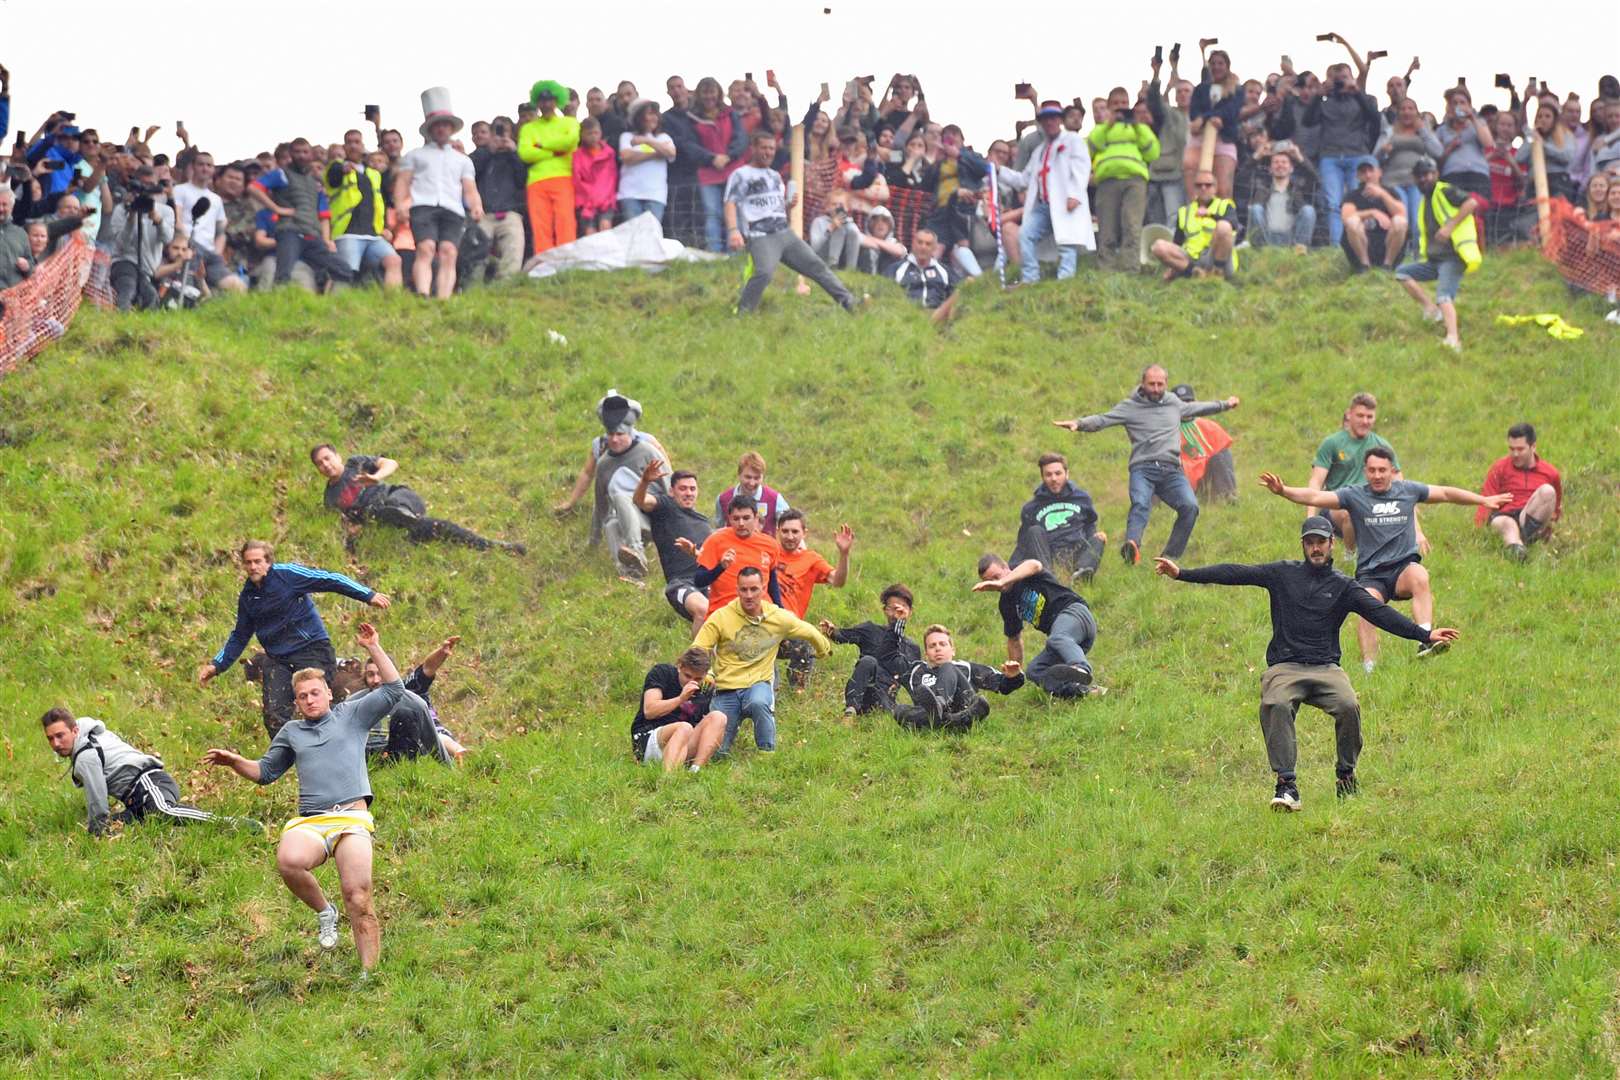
x,y
281,613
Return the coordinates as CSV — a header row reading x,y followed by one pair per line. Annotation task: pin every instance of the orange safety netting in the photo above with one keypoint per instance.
x,y
38,310
1587,253
910,206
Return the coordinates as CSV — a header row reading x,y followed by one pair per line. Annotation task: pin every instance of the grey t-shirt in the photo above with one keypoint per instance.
x,y
761,196
330,753
1386,523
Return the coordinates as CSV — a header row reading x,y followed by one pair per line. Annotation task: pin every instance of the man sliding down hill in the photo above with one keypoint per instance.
x,y
355,489
1309,602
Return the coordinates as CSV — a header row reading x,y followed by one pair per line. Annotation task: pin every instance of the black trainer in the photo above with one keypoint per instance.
x,y
1074,675
1286,801
1427,649
1347,786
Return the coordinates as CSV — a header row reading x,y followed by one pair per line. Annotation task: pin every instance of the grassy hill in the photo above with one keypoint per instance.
x,y
1080,889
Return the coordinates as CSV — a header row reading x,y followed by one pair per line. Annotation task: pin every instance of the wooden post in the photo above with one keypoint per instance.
x,y
796,175
1538,171
1206,150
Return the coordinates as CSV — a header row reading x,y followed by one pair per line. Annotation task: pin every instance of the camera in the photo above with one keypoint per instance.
x,y
1122,116
18,173
139,196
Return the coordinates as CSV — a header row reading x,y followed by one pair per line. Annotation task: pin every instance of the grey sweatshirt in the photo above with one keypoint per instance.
x,y
104,764
330,752
1154,427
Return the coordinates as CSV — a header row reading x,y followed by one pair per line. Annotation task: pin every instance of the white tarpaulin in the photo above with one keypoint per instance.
x,y
639,242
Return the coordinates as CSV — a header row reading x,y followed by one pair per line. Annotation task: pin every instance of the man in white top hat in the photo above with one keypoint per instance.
x,y
435,185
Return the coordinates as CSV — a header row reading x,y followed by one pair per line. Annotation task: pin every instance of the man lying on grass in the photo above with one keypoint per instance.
x,y
327,745
106,766
1309,602
356,490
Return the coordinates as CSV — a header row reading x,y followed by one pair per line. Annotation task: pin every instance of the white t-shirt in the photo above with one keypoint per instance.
x,y
645,176
203,230
761,197
436,176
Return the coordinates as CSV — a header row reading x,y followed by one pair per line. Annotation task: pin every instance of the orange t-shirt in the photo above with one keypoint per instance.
x,y
797,573
757,550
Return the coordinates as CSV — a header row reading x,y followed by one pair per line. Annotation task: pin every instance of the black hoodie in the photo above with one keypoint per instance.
x,y
1067,518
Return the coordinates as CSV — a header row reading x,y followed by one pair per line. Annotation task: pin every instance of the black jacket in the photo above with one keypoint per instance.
x,y
1308,605
1068,518
893,650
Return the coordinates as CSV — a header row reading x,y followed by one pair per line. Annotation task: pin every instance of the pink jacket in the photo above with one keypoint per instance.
x,y
596,179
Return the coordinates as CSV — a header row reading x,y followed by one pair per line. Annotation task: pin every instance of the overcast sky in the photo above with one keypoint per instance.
x,y
217,66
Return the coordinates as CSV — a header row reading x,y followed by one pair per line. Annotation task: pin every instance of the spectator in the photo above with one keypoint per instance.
x,y
1604,152
1167,190
1122,149
1055,197
303,226
437,190
1349,122
770,503
1536,494
1448,246
17,259
1464,137
1558,148
880,251
181,277
354,195
547,143
925,279
757,203
1205,237
596,179
645,154
721,133
501,178
200,215
1217,103
615,118
1375,223
911,171
683,214
1407,140
1280,210
1152,419
834,238
136,231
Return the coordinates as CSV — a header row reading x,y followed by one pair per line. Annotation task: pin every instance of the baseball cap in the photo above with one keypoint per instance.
x,y
1366,163
1316,525
1424,166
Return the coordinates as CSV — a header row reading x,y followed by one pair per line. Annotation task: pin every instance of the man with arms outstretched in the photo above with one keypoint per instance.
x,y
1030,594
946,693
327,745
1309,602
274,604
675,517
1152,419
1383,512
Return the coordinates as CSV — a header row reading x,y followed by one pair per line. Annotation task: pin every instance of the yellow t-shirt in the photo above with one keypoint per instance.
x,y
745,647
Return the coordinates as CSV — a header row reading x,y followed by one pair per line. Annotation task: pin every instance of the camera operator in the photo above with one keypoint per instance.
x,y
1350,123
136,231
502,180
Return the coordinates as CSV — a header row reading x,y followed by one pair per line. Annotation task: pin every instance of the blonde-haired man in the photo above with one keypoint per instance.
x,y
327,745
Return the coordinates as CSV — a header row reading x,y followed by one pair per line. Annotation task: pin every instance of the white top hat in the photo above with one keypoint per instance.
x,y
436,106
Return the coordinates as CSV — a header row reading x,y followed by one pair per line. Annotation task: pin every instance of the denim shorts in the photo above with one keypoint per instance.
x,y
358,250
1448,272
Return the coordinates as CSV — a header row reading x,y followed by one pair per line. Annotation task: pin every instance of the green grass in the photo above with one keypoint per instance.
x,y
1071,889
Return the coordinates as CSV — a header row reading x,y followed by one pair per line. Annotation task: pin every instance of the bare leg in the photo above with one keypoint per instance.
x,y
447,271
1448,312
675,741
393,278
353,858
1507,529
1347,528
1414,583
697,606
296,855
1367,634
1225,170
422,268
1223,242
1415,291
1395,242
1542,506
710,730
1356,234
1172,257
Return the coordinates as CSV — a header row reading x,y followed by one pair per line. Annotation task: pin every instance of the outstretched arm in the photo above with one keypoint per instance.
x,y
434,660
1441,494
1324,500
1217,574
241,766
844,539
1391,621
582,484
654,470
1025,569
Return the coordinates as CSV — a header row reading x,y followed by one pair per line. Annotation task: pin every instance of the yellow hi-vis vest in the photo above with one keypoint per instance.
x,y
346,196
1199,229
1464,238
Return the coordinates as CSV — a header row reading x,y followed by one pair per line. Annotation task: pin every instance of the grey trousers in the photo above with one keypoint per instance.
x,y
1121,205
1074,631
838,248
625,524
1283,688
764,252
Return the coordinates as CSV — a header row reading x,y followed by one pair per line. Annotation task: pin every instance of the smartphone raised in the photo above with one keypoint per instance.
x,y
825,92
1324,37
747,75
1020,90
1158,54
372,113
1175,52
1377,54
1503,81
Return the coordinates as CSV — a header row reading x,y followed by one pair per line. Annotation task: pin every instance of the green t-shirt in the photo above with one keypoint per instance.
x,y
1341,455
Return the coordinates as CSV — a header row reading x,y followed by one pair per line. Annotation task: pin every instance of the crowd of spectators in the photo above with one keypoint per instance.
x,y
1300,162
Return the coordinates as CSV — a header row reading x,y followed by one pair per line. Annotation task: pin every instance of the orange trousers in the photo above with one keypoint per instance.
x,y
551,212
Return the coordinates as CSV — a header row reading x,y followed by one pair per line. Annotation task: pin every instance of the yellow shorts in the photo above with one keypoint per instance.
x,y
329,826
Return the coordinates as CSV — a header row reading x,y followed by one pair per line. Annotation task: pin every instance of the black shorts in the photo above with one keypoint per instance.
x,y
438,224
676,593
1384,578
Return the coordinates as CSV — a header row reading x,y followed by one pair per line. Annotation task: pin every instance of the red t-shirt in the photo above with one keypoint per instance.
x,y
1521,484
756,550
797,575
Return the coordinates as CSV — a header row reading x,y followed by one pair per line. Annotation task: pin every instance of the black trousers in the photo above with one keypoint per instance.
x,y
276,680
944,700
156,792
405,509
869,687
291,246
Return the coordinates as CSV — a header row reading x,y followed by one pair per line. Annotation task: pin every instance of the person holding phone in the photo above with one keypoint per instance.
x,y
1464,138
1122,149
1055,201
1349,123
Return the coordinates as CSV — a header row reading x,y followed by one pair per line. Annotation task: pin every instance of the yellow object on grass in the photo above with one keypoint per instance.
x,y
1555,324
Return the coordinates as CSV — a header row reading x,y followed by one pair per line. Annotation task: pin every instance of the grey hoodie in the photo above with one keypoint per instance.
x,y
1154,427
111,771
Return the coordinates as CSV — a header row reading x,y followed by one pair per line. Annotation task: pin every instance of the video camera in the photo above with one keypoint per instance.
x,y
139,195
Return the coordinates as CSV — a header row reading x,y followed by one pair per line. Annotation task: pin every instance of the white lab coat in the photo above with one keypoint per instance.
x,y
1070,171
